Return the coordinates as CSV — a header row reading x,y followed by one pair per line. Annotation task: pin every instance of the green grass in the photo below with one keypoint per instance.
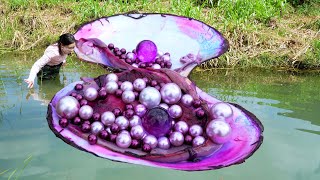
x,y
15,173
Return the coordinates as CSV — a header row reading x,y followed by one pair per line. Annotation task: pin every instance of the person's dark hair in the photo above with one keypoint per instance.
x,y
65,39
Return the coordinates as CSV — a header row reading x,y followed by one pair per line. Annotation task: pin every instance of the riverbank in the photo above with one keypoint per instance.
x,y
268,34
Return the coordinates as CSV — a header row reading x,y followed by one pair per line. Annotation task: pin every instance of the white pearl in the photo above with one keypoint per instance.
x,y
176,138
135,65
86,112
135,120
123,140
108,118
122,122
96,127
139,84
67,107
156,66
91,94
187,100
166,57
128,96
112,77
197,141
171,93
111,87
221,109
126,86
195,130
150,97
219,131
151,140
137,132
175,111
181,126
163,143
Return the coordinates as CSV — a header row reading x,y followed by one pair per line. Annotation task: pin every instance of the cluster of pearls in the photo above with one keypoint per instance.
x,y
161,60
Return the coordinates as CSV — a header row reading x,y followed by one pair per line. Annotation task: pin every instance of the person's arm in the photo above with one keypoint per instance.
x,y
36,68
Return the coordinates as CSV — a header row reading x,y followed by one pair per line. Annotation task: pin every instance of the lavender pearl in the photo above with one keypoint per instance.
x,y
108,118
137,132
163,143
126,86
156,66
135,120
182,127
91,94
96,127
135,65
68,107
164,106
166,57
197,141
140,109
175,111
219,131
112,77
171,93
128,96
123,140
150,97
86,112
122,122
176,138
195,130
111,87
151,140
131,56
221,109
139,84
187,100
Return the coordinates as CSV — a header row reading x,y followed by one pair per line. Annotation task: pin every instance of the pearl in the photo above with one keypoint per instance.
x,y
197,141
176,139
91,94
126,86
123,140
78,87
140,110
157,122
219,131
137,132
182,127
96,127
139,84
111,87
63,122
164,106
86,112
92,139
151,140
131,56
171,93
156,66
112,77
165,57
122,122
150,97
108,118
175,111
187,100
135,120
128,96
146,51
221,109
68,107
195,130
135,65
163,143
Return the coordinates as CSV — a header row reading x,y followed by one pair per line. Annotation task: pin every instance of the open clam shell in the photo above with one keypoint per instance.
x,y
189,41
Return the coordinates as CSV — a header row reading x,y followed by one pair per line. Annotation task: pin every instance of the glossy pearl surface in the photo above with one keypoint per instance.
x,y
68,107
163,143
111,87
96,127
128,96
135,120
139,84
195,130
108,118
126,86
151,140
137,132
176,138
171,93
150,97
197,141
187,100
140,110
86,112
221,109
112,77
219,131
122,122
91,94
123,140
175,111
181,126
164,106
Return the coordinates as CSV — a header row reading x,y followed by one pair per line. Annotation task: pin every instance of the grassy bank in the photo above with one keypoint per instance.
x,y
263,33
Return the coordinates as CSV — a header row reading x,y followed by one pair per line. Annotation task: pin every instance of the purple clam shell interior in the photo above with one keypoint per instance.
x,y
177,35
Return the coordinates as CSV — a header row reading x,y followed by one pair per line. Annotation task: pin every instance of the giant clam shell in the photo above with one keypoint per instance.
x,y
202,40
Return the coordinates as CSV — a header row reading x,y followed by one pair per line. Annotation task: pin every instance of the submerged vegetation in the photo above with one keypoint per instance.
x,y
263,33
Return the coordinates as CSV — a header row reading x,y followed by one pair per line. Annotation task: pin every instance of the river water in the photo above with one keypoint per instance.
x,y
288,105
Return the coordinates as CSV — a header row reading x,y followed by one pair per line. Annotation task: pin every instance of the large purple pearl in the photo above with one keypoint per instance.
x,y
122,122
150,97
140,110
86,112
128,96
151,140
182,127
112,77
175,111
123,140
176,139
157,122
187,100
171,93
96,127
219,131
91,94
146,51
163,143
221,109
137,132
68,107
195,130
111,87
139,84
135,120
108,118
197,141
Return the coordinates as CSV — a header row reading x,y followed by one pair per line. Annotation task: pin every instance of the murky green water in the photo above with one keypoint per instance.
x,y
288,106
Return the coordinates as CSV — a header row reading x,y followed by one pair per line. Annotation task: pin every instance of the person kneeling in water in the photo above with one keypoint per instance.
x,y
48,66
